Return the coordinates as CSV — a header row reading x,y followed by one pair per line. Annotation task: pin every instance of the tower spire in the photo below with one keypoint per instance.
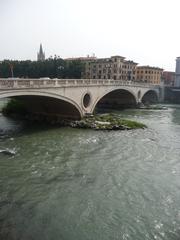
x,y
41,54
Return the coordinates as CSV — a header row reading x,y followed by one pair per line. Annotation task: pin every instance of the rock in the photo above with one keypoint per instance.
x,y
106,122
103,123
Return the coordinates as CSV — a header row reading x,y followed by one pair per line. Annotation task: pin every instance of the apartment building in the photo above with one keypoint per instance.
x,y
115,67
149,74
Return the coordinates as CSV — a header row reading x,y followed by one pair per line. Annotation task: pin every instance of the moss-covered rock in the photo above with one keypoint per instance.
x,y
107,122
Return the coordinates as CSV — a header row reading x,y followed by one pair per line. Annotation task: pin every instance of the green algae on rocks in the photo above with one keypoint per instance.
x,y
107,122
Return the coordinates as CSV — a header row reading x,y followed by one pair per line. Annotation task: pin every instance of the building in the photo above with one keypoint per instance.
x,y
118,68
40,54
115,67
147,74
168,78
177,75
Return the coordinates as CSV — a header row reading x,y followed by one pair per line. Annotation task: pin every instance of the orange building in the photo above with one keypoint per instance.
x,y
149,74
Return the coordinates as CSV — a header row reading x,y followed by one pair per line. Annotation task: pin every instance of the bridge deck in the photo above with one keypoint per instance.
x,y
18,83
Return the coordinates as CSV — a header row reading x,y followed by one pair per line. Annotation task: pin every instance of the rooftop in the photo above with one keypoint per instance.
x,y
117,56
131,62
81,58
149,67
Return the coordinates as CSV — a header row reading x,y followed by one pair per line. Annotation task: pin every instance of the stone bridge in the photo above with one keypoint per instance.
x,y
76,97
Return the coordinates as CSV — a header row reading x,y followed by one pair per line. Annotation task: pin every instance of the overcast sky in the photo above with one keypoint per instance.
x,y
146,31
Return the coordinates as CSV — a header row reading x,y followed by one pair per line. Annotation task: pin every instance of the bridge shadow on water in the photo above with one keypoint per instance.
x,y
10,127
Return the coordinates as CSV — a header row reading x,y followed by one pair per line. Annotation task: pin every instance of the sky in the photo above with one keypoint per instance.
x,y
145,31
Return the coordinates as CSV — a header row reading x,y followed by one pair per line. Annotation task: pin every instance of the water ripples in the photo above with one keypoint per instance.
x,y
83,184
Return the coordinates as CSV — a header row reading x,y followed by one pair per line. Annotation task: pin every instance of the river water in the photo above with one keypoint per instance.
x,y
75,184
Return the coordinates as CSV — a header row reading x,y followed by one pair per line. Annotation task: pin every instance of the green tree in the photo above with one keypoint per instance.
x,y
52,67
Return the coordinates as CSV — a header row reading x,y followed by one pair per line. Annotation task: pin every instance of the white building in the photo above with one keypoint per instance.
x,y
177,78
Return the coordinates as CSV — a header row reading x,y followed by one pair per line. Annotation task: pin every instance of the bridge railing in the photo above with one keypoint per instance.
x,y
18,83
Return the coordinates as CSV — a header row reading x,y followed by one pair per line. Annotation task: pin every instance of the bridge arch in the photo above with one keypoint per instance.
x,y
117,97
150,96
69,107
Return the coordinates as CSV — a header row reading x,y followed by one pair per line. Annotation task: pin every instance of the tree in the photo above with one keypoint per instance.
x,y
54,67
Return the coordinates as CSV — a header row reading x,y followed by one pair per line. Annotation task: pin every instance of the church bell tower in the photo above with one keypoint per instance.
x,y
40,54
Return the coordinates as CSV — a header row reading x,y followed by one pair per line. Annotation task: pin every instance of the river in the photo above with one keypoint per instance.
x,y
75,184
